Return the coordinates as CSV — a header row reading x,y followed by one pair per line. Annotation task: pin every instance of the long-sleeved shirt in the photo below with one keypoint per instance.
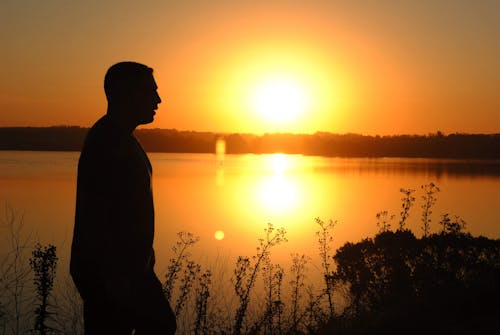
x,y
114,220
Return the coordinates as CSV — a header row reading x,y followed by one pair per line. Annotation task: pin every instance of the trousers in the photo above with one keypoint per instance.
x,y
148,312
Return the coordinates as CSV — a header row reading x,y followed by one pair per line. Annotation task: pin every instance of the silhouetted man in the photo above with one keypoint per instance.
x,y
112,257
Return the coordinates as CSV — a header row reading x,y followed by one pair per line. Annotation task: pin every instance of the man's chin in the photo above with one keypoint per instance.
x,y
147,120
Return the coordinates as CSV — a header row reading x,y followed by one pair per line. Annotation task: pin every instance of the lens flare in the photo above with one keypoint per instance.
x,y
219,235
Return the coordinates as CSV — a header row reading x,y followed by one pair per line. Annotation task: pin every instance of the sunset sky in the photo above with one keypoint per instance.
x,y
369,67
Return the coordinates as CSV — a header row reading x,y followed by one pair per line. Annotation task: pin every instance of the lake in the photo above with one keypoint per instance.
x,y
239,194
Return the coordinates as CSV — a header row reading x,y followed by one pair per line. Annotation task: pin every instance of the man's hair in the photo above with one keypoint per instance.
x,y
124,77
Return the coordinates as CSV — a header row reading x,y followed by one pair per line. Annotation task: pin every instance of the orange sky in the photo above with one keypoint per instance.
x,y
370,67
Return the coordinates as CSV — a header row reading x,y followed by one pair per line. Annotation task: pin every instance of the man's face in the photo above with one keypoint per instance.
x,y
145,101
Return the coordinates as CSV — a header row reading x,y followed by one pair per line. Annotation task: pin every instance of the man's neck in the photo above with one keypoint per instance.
x,y
121,121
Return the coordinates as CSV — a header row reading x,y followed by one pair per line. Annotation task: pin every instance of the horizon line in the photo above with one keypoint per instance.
x,y
437,132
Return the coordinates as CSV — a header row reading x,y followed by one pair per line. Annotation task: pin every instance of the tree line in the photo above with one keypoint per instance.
x,y
436,145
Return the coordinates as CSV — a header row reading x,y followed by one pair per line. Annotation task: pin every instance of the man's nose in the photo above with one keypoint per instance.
x,y
158,99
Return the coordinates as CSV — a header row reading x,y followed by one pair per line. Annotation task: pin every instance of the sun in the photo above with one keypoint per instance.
x,y
280,100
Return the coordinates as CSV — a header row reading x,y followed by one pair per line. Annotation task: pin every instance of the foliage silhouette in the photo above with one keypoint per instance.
x,y
43,263
298,273
396,279
429,200
247,270
14,273
325,238
181,255
407,202
202,295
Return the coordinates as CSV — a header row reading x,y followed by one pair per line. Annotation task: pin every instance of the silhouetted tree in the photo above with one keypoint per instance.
x,y
395,279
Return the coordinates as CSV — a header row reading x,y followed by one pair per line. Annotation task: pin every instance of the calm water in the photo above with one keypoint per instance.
x,y
240,194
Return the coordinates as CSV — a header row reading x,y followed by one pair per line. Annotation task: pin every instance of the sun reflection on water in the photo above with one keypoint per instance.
x,y
278,192
280,163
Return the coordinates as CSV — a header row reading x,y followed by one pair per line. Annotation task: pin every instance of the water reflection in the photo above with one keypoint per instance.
x,y
278,193
432,167
240,194
279,163
219,175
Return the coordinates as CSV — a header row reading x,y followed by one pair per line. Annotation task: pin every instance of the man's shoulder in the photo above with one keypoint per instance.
x,y
102,129
102,135
98,141
105,139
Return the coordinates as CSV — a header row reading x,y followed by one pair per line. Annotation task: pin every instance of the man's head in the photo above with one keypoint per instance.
x,y
131,92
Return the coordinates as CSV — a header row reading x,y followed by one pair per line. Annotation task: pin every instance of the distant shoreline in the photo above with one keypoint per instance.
x,y
438,145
